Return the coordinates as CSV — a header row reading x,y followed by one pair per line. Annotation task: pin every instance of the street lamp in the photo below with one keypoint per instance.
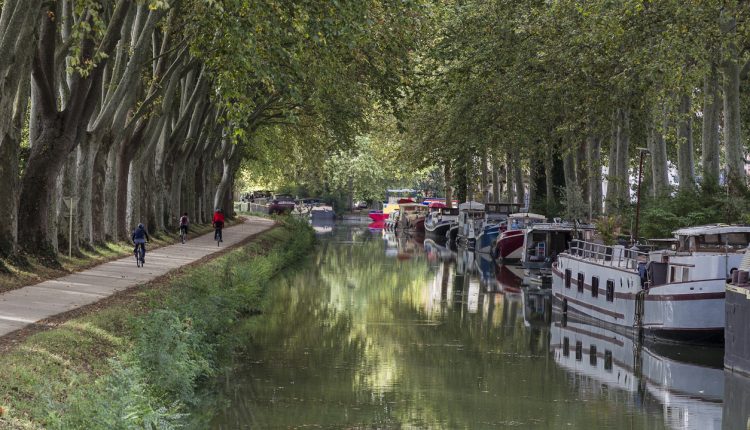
x,y
642,152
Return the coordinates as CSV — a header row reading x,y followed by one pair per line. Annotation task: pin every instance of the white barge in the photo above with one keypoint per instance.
x,y
673,294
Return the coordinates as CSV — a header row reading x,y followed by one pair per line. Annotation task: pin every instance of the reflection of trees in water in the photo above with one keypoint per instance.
x,y
351,338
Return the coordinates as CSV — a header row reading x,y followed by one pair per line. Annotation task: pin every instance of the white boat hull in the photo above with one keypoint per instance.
x,y
677,311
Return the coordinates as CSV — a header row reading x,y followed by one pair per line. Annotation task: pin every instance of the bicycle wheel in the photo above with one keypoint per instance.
x,y
137,258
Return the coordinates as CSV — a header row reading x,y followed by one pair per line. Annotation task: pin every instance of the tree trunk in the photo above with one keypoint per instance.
x,y
623,151
732,124
447,175
510,189
594,164
484,181
685,161
710,151
518,180
612,174
658,149
495,180
39,182
549,174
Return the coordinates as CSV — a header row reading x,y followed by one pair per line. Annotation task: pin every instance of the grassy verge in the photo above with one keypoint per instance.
x,y
137,361
27,270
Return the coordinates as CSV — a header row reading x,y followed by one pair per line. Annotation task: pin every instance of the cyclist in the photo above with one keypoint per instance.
x,y
184,223
218,224
140,237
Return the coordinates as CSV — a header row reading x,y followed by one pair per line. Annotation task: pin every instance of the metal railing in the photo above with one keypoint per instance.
x,y
616,256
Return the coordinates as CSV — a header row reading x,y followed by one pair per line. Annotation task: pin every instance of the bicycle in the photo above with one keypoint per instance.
x,y
140,254
217,235
183,234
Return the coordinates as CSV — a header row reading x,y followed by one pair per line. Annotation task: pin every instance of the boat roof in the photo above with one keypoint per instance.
x,y
559,226
471,206
526,215
712,229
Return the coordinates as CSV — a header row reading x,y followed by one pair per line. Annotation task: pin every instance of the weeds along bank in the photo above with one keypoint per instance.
x,y
138,360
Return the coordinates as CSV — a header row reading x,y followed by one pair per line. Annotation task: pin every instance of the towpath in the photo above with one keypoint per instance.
x,y
28,305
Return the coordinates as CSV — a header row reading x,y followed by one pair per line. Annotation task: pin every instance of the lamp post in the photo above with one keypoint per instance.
x,y
642,153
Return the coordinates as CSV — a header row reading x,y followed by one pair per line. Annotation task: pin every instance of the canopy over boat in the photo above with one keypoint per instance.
x,y
466,206
436,205
525,215
402,201
712,229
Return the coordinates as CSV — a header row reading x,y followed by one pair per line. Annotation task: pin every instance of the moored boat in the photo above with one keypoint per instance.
x,y
377,216
494,222
509,244
542,242
439,221
470,218
675,294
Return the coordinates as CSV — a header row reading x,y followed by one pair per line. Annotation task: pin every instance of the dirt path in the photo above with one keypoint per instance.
x,y
28,305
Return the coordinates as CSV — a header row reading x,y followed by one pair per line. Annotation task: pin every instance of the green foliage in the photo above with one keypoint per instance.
x,y
608,228
659,217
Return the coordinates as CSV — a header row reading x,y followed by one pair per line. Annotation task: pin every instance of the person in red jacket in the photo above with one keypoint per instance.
x,y
218,224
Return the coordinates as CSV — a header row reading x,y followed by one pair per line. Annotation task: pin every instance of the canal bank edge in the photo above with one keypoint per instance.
x,y
138,358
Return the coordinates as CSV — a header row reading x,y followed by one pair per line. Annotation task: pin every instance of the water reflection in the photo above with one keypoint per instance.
x,y
385,331
685,383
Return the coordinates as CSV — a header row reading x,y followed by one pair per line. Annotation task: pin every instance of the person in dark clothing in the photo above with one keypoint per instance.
x,y
140,237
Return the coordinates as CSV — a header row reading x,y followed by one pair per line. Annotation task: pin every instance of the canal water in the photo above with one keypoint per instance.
x,y
379,332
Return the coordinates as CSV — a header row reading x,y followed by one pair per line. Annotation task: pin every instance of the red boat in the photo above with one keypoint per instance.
x,y
418,225
377,216
509,245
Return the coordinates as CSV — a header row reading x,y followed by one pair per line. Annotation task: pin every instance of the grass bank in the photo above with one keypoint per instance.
x,y
136,360
20,271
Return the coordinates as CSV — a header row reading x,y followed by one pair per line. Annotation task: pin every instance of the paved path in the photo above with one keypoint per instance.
x,y
27,305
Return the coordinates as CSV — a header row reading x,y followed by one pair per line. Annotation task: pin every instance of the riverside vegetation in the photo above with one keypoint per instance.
x,y
136,361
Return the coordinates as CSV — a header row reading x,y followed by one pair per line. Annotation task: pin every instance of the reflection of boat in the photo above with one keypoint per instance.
x,y
465,261
485,266
377,216
736,401
391,243
376,225
322,226
322,212
689,393
537,307
509,278
437,252
673,294
509,245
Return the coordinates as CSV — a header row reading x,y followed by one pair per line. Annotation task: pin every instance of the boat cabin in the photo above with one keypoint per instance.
x,y
521,220
544,241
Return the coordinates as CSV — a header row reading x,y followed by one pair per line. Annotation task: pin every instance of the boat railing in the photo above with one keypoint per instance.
x,y
616,256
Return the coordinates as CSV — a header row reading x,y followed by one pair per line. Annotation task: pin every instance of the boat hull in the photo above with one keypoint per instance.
x,y
439,230
377,216
509,246
682,311
486,239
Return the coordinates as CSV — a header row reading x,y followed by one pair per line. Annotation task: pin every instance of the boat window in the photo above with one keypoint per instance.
x,y
566,347
579,350
711,239
608,360
594,286
610,290
685,274
672,274
592,355
580,282
567,278
734,239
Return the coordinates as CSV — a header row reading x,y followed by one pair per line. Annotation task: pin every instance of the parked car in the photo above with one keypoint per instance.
x,y
360,204
281,203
